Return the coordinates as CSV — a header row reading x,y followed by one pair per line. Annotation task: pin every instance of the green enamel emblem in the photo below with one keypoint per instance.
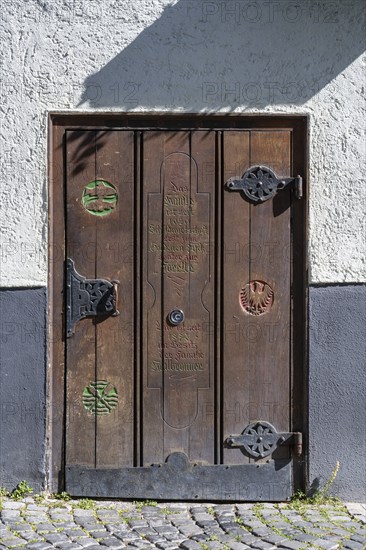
x,y
100,397
99,197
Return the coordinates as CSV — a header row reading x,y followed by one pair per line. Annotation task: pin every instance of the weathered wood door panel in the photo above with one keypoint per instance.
x,y
201,347
178,361
99,243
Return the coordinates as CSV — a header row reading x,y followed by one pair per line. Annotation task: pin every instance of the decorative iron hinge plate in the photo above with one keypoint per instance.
x,y
260,183
260,439
87,297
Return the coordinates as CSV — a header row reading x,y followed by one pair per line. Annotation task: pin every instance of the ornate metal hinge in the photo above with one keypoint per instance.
x,y
260,439
260,183
87,297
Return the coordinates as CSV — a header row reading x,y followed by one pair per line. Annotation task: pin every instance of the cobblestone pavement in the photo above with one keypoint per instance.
x,y
39,524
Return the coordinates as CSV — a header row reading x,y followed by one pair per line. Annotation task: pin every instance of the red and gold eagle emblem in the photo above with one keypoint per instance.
x,y
256,297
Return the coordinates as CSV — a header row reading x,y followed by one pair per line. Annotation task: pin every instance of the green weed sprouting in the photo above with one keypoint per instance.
x,y
22,490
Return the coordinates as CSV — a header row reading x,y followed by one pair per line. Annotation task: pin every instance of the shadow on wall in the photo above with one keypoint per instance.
x,y
202,56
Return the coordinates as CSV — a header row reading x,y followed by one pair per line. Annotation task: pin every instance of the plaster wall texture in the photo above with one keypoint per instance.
x,y
337,386
22,387
266,56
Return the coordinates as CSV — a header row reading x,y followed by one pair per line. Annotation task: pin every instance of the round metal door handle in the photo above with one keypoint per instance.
x,y
176,317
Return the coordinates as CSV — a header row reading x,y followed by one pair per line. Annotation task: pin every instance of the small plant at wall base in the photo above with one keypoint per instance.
x,y
321,496
61,496
22,490
85,504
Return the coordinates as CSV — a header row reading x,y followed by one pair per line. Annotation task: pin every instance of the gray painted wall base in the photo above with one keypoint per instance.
x,y
22,387
337,389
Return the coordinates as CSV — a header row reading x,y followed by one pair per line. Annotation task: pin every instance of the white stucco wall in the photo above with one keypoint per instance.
x,y
268,56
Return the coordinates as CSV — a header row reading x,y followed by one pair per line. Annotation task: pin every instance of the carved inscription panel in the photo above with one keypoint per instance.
x,y
178,227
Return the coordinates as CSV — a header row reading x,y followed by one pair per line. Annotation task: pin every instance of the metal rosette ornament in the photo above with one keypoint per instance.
x,y
260,439
261,183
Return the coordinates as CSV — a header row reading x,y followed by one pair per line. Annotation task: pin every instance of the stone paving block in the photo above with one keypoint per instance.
x,y
108,515
335,530
155,538
201,537
113,542
90,526
261,545
46,527
244,506
85,542
31,536
14,542
223,507
74,533
35,515
98,534
65,516
52,538
137,523
10,515
39,546
326,544
248,539
12,505
189,530
204,524
306,537
261,532
67,545
129,536
158,521
171,537
353,545
144,531
141,545
167,546
274,538
191,545
163,529
359,538
292,545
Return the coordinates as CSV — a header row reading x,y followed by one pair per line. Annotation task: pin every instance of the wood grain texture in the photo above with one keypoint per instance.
x,y
235,273
270,261
81,246
179,361
114,335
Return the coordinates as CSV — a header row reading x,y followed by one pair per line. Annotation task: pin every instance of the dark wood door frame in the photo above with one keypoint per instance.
x,y
59,123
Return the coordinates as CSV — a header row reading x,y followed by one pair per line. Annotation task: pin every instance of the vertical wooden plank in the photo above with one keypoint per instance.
x,y
270,263
114,335
81,246
235,273
151,256
202,283
138,297
179,359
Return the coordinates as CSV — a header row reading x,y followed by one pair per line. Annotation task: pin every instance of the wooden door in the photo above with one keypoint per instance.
x,y
180,305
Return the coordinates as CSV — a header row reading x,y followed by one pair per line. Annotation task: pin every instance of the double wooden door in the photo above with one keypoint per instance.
x,y
183,294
